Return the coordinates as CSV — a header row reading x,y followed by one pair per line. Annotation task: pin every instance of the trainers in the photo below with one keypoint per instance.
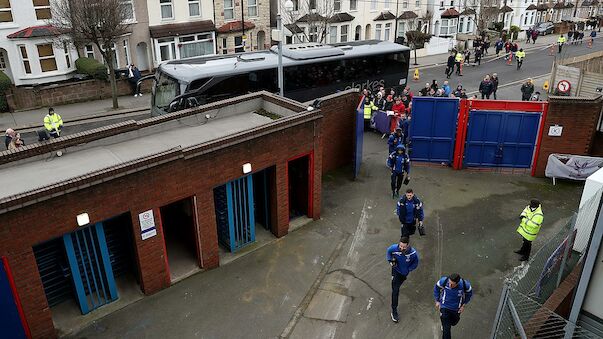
x,y
524,258
395,316
393,195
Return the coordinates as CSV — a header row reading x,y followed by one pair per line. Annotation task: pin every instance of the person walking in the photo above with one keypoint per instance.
x,y
528,35
410,213
560,42
133,77
478,56
593,35
451,294
520,55
485,87
458,61
395,138
499,46
53,123
494,85
531,220
403,260
399,164
526,90
535,35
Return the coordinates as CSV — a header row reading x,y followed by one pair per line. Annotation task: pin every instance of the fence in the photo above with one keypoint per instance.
x,y
521,313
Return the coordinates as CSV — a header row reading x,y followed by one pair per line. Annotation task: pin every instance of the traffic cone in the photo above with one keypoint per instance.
x,y
545,86
416,76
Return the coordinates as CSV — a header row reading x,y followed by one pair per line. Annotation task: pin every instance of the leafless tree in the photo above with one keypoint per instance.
x,y
313,15
487,13
98,22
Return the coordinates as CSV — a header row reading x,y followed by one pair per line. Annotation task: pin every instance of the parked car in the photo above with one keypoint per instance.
x,y
544,28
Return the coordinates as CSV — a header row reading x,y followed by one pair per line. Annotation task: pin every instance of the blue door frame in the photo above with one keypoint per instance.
x,y
90,266
501,139
235,213
433,129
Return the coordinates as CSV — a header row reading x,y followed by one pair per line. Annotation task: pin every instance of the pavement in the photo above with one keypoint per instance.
x,y
329,279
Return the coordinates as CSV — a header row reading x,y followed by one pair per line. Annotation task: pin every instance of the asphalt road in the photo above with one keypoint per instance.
x,y
536,64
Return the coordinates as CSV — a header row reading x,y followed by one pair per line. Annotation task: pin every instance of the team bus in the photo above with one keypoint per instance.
x,y
310,71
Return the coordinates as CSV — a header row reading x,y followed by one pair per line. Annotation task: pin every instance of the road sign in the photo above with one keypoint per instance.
x,y
564,86
147,224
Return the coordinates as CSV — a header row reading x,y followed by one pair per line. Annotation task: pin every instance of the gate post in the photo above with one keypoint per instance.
x,y
545,110
499,311
461,133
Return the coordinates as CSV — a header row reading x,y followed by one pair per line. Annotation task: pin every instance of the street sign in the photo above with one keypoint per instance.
x,y
564,86
555,131
147,224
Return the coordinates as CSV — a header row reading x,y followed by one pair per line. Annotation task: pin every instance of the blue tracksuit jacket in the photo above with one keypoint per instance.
x,y
399,162
405,262
393,141
409,210
452,298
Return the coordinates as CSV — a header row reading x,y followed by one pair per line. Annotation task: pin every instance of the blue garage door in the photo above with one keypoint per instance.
x,y
10,321
501,139
235,215
433,129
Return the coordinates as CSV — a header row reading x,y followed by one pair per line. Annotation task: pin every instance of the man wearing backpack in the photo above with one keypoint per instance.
x,y
451,294
403,259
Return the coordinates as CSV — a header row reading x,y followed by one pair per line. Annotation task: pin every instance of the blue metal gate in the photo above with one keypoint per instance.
x,y
235,213
433,128
501,139
90,265
10,320
358,140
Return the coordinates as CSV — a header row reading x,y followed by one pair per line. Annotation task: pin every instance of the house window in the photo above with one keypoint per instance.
x,y
167,9
197,45
337,5
127,7
228,9
388,28
353,5
5,13
252,7
67,54
194,8
42,8
46,55
239,44
89,51
333,34
442,4
525,20
448,27
378,31
451,3
224,49
296,5
2,62
127,51
313,34
373,5
418,3
167,49
469,25
386,4
462,25
401,28
25,59
312,4
344,33
405,4
114,56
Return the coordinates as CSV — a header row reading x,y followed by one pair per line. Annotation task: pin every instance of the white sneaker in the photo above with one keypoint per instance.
x,y
135,95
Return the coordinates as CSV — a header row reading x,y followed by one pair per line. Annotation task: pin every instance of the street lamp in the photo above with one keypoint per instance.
x,y
279,24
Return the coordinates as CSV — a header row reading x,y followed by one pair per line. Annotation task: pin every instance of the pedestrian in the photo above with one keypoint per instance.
x,y
531,220
12,139
369,109
560,42
398,109
451,294
425,90
380,101
520,55
486,45
457,92
570,34
403,260
581,38
133,77
399,164
410,213
593,35
395,138
526,90
576,36
528,35
535,35
499,46
389,104
446,88
485,87
467,56
434,85
450,65
404,125
53,123
494,84
458,61
478,56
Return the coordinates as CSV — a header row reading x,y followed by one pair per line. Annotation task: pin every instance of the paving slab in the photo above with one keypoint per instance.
x,y
328,305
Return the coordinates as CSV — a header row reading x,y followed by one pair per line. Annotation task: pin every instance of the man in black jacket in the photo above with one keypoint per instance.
x,y
494,84
527,90
485,87
450,65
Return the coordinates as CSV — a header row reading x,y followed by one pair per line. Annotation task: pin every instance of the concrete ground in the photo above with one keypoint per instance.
x,y
329,279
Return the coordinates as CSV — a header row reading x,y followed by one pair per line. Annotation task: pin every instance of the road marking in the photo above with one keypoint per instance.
x,y
359,236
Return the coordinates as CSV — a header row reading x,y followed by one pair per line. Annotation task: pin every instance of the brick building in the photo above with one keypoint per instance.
x,y
137,206
242,25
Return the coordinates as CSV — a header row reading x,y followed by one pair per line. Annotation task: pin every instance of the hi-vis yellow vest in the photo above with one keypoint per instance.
x,y
530,223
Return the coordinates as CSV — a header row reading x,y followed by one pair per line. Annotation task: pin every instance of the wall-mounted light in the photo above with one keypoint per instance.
x,y
246,168
83,219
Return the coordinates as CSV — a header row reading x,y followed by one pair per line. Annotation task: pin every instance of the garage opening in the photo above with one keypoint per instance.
x,y
299,185
178,220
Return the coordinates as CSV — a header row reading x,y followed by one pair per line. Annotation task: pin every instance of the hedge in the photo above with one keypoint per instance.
x,y
92,68
5,84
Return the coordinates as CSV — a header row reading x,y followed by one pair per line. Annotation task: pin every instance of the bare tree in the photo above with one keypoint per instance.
x,y
487,13
98,22
315,15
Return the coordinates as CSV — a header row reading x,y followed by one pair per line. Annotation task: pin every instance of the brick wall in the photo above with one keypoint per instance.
x,y
579,117
150,189
597,150
23,98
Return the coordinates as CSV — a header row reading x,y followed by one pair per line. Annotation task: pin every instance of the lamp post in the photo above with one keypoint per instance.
x,y
279,24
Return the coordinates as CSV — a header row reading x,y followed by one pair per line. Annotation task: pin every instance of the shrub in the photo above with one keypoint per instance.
x,y
5,84
498,26
92,68
514,32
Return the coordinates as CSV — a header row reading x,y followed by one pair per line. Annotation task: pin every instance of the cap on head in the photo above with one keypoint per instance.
x,y
455,277
400,147
398,129
404,240
534,203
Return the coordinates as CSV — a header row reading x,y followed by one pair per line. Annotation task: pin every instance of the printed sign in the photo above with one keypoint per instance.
x,y
555,131
147,224
564,86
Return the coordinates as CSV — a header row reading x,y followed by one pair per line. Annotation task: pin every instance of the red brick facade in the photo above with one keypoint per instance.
x,y
579,117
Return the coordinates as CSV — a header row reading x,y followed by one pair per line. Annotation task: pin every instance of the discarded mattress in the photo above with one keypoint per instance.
x,y
575,167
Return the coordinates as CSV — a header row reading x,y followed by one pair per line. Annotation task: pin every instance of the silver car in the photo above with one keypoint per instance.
x,y
544,28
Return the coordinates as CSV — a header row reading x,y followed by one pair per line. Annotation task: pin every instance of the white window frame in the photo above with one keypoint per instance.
x,y
386,4
196,39
41,7
230,10
378,31
131,4
198,4
3,61
89,52
401,28
344,33
353,5
41,58
405,4
166,3
26,59
450,28
337,6
373,5
126,47
116,61
67,52
10,10
333,34
417,3
252,6
387,31
171,44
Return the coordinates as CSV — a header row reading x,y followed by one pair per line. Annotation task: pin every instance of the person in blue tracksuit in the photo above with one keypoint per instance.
x,y
410,212
399,163
395,139
404,124
403,259
451,294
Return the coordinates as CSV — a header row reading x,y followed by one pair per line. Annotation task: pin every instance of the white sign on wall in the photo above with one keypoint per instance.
x,y
555,131
147,224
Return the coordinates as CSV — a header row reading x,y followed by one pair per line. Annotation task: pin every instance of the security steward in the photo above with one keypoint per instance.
x,y
458,60
369,107
410,212
403,259
520,55
399,163
531,221
560,42
53,123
